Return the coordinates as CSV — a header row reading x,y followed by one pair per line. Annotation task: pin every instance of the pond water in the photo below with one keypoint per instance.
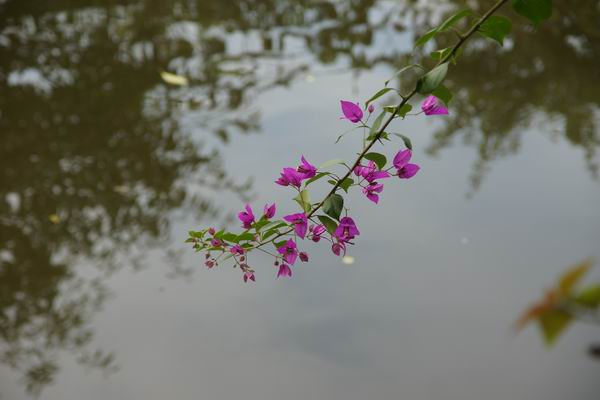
x,y
105,167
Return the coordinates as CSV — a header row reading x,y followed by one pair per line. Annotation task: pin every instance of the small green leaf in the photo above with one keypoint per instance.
x,y
537,11
303,199
377,123
198,235
405,109
443,93
260,224
331,162
274,225
453,19
406,140
426,37
279,244
230,237
589,297
377,95
404,69
552,323
345,184
377,158
496,28
244,236
328,223
269,233
333,206
440,54
431,80
318,176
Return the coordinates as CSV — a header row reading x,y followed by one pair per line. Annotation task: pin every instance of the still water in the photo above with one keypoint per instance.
x,y
104,169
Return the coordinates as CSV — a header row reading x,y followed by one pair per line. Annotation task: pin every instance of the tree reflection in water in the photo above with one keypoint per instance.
x,y
91,136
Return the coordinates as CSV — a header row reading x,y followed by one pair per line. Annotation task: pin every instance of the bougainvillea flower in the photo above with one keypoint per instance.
x,y
351,111
371,108
372,190
433,106
300,223
209,263
284,270
306,169
370,172
249,275
247,217
269,211
405,170
303,256
317,231
212,231
289,176
237,249
216,242
289,251
346,230
339,248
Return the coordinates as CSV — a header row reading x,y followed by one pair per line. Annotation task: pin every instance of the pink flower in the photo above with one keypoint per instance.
x,y
212,231
209,264
405,170
269,211
433,106
289,176
306,169
317,231
237,249
372,190
249,275
351,111
303,256
284,270
216,242
370,172
247,217
371,108
289,251
338,248
300,223
346,230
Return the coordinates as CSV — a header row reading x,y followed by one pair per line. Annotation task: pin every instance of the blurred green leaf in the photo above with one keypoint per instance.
x,y
537,11
303,199
588,297
431,80
377,95
405,139
331,162
345,184
318,176
333,206
552,324
443,93
496,27
245,236
328,223
377,158
377,123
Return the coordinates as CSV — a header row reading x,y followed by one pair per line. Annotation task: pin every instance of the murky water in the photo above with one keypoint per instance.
x,y
104,168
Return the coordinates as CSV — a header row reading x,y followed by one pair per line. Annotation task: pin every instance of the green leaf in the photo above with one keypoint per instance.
x,y
443,93
453,19
269,233
447,24
537,11
333,206
195,234
377,158
426,37
345,184
405,109
303,199
328,223
496,28
331,162
279,244
318,176
377,95
260,224
245,236
377,123
230,237
589,297
431,80
404,69
440,54
274,225
552,323
406,140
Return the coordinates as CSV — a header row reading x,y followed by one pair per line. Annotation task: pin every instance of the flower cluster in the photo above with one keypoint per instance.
x,y
315,222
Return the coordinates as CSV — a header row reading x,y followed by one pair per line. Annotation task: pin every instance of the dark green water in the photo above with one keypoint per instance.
x,y
104,168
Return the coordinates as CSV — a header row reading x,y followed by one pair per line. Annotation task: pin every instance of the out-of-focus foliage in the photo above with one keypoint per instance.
x,y
564,303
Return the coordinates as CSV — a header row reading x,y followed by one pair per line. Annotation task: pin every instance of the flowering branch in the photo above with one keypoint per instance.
x,y
342,230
